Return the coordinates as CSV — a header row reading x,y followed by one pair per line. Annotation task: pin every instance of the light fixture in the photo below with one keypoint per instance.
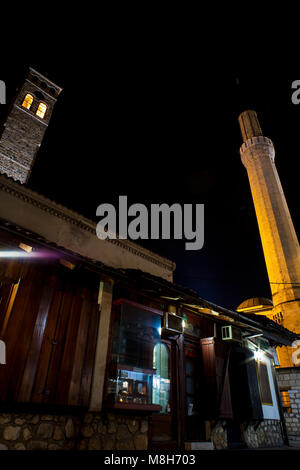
x,y
258,355
67,263
13,254
25,247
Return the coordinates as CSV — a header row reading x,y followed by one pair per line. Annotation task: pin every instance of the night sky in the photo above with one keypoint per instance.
x,y
161,130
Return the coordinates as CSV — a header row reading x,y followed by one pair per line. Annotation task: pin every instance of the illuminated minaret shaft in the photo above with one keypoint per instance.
x,y
278,236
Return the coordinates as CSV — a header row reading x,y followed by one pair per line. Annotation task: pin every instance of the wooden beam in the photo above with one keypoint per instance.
x,y
105,302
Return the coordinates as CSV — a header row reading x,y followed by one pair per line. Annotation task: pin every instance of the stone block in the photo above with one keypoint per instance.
x,y
123,432
94,443
37,445
5,418
58,434
45,430
87,431
69,429
11,433
19,446
27,434
140,441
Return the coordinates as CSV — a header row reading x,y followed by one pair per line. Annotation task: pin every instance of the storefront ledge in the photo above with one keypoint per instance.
x,y
133,407
199,445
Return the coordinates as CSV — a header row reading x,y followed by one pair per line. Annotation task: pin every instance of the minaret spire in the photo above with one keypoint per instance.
x,y
249,125
278,236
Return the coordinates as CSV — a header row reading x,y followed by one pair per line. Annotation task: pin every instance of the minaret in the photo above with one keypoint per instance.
x,y
25,125
278,236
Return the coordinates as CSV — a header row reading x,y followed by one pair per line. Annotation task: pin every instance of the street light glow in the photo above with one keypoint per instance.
x,y
13,254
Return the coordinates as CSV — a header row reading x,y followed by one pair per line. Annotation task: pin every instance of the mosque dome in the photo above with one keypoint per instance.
x,y
255,303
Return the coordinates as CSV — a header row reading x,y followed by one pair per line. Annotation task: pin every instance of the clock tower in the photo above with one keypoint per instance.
x,y
23,130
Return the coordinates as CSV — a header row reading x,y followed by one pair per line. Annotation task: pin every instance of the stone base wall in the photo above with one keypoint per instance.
x,y
91,431
267,434
289,380
219,436
292,418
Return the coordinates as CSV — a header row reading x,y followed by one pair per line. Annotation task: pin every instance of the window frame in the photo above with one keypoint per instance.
x,y
25,100
42,113
115,405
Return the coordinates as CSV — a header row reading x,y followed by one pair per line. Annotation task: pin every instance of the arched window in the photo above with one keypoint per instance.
x,y
27,101
41,110
161,380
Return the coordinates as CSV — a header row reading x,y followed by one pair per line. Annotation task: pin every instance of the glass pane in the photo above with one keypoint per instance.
x,y
161,380
27,101
41,110
131,374
189,366
190,385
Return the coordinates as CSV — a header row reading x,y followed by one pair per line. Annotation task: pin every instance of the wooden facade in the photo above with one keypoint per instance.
x,y
48,321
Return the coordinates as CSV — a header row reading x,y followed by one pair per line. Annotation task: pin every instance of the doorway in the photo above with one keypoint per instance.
x,y
163,431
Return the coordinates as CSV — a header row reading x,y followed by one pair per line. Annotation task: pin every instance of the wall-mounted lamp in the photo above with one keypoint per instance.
x,y
258,355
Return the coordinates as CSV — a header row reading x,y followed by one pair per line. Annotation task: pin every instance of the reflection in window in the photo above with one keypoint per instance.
x,y
131,373
27,101
41,110
161,380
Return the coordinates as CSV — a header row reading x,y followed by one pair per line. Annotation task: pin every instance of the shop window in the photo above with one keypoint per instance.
x,y
41,111
27,101
264,384
137,364
161,379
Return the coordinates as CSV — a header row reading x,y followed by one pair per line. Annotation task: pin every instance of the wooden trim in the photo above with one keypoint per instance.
x,y
36,342
137,305
180,363
8,307
99,380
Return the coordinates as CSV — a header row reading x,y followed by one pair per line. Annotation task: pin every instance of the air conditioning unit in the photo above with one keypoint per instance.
x,y
172,324
231,333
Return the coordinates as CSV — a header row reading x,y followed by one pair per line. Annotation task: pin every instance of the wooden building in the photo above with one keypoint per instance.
x,y
105,357
99,348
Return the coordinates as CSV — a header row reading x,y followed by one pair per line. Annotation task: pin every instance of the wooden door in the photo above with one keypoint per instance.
x,y
163,430
48,321
194,422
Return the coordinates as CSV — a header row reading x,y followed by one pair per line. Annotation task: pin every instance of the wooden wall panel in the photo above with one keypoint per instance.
x,y
18,337
79,353
39,389
66,361
216,393
37,340
50,334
